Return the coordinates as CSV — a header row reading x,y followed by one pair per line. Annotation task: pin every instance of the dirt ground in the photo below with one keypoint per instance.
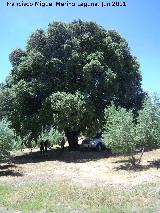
x,y
84,168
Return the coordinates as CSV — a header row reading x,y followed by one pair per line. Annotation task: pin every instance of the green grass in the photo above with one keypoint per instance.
x,y
65,198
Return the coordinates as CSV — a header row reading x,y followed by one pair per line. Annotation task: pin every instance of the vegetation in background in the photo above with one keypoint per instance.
x,y
52,135
71,114
8,140
120,130
63,84
148,124
125,134
79,61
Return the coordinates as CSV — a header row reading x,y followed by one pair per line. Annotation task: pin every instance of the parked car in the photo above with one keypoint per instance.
x,y
94,143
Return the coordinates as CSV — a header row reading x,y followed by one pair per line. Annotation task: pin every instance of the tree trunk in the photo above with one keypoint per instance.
x,y
72,138
139,161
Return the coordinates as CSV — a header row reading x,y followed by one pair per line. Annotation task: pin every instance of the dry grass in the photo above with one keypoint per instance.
x,y
82,168
80,182
64,197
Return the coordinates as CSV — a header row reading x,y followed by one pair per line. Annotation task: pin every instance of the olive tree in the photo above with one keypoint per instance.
x,y
125,134
119,132
148,124
8,140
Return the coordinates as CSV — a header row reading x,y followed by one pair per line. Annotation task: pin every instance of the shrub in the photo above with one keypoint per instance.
x,y
148,125
124,135
120,130
8,140
53,135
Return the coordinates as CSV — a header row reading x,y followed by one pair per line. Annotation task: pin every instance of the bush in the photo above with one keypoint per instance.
x,y
120,130
124,135
53,135
8,140
148,125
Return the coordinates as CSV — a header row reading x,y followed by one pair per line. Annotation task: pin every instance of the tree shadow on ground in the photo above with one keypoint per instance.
x,y
67,156
155,164
129,167
138,167
7,166
8,170
10,173
122,161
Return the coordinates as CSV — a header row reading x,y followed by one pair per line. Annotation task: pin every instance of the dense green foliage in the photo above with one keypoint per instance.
x,y
148,124
52,135
6,104
8,140
125,134
78,67
69,110
72,113
120,130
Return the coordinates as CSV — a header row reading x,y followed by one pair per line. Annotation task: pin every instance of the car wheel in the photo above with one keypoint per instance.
x,y
99,147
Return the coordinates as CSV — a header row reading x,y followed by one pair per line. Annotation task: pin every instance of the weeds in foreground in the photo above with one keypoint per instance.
x,y
63,197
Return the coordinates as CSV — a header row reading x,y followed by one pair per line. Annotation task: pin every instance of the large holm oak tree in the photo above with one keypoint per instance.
x,y
68,74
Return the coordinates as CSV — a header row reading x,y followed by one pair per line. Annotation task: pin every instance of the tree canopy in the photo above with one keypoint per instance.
x,y
67,76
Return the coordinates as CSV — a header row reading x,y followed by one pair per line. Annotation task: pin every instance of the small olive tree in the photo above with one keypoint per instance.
x,y
124,134
120,130
148,124
8,140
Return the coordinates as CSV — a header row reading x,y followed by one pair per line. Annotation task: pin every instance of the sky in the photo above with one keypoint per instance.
x,y
138,23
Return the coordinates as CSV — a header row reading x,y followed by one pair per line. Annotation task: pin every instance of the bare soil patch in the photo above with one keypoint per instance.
x,y
84,168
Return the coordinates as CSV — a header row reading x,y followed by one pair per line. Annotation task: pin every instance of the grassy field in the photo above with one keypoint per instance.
x,y
63,197
80,182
